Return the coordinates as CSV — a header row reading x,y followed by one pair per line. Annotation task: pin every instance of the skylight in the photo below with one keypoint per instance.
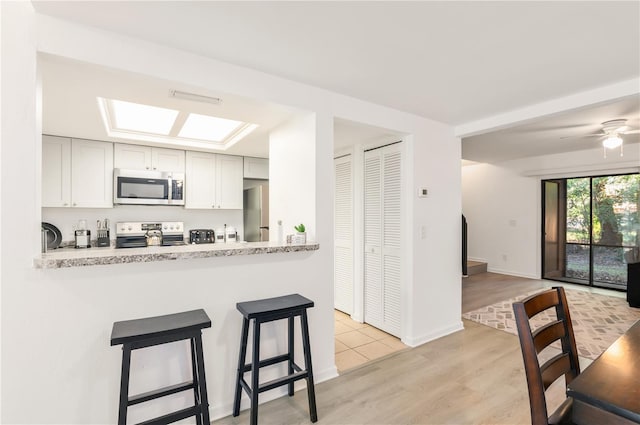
x,y
135,121
204,127
142,118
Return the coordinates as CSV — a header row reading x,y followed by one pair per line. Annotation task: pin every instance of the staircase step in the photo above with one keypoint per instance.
x,y
476,267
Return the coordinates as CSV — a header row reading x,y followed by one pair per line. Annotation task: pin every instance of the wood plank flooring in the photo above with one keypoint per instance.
x,y
474,376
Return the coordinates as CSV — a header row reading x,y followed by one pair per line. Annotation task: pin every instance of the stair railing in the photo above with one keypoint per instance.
x,y
464,246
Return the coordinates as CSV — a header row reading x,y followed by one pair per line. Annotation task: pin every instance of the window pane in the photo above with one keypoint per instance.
x,y
615,210
578,210
577,266
610,266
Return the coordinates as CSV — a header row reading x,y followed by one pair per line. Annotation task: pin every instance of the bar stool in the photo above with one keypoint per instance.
x,y
147,332
267,310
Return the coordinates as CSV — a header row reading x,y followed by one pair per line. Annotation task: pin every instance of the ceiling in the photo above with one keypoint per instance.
x,y
70,108
565,132
453,62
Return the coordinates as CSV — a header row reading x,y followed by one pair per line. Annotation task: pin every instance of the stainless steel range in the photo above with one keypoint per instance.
x,y
143,234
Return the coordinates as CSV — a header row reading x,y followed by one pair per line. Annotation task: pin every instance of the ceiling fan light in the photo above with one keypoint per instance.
x,y
612,142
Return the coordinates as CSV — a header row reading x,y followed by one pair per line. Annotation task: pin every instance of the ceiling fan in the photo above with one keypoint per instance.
x,y
611,134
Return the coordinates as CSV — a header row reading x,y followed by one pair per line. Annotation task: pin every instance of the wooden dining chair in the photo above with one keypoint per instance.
x,y
533,341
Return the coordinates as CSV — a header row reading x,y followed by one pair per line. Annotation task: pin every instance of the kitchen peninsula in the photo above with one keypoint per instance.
x,y
70,257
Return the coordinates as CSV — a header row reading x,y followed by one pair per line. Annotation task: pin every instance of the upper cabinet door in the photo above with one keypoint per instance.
x,y
91,174
200,180
167,160
256,168
56,171
132,157
136,157
229,182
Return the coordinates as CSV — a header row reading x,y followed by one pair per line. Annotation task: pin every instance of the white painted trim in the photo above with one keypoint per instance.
x,y
407,284
511,273
438,333
575,101
478,259
357,171
579,171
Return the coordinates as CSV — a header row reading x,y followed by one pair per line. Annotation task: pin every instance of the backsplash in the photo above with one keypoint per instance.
x,y
66,219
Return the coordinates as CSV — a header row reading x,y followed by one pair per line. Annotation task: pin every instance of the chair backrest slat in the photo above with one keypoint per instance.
x,y
554,368
540,302
548,334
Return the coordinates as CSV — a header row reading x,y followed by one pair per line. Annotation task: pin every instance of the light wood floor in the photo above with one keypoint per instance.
x,y
474,376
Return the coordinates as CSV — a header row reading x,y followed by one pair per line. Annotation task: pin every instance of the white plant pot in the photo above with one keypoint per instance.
x,y
299,239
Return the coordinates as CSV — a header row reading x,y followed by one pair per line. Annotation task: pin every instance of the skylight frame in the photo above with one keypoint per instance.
x,y
141,118
199,123
172,139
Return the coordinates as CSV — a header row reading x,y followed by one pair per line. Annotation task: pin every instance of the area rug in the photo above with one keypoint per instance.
x,y
598,320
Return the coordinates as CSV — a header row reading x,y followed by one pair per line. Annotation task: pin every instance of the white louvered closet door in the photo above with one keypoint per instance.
x,y
382,211
343,235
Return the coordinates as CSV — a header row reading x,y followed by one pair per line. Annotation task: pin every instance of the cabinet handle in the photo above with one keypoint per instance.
x,y
65,204
74,204
147,168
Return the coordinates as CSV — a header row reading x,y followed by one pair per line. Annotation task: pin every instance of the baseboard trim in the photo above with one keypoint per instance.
x,y
479,260
439,333
511,273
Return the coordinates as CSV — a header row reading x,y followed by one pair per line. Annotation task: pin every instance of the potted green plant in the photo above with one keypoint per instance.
x,y
300,238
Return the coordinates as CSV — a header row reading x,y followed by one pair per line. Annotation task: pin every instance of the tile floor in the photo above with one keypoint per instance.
x,y
358,343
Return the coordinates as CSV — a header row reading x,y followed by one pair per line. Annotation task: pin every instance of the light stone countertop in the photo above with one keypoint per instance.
x,y
71,257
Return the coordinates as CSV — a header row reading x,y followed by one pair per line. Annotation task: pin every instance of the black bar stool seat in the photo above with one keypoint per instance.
x,y
150,331
267,310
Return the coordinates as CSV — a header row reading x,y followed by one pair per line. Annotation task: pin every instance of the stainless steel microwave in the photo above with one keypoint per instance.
x,y
141,187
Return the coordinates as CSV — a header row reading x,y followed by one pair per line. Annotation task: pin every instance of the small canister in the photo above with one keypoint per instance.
x,y
219,235
45,235
231,235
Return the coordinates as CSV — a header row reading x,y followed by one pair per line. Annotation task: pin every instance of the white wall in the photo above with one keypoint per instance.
x,y
502,214
292,159
502,203
57,365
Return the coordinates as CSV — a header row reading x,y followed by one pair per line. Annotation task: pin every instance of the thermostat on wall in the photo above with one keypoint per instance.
x,y
423,192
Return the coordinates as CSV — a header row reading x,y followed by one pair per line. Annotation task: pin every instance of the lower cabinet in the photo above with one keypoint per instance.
x,y
213,181
76,173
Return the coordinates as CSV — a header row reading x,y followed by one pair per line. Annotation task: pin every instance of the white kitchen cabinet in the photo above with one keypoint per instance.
x,y
229,184
256,168
200,180
91,174
76,173
56,171
136,157
213,181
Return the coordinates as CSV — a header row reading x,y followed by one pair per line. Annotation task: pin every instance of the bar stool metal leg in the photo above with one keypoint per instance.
x,y
291,349
311,393
124,384
255,372
241,362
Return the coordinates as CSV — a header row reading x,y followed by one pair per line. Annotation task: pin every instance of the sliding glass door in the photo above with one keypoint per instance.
x,y
591,229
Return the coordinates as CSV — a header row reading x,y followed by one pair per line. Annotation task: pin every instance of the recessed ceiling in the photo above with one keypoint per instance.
x,y
70,106
566,132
